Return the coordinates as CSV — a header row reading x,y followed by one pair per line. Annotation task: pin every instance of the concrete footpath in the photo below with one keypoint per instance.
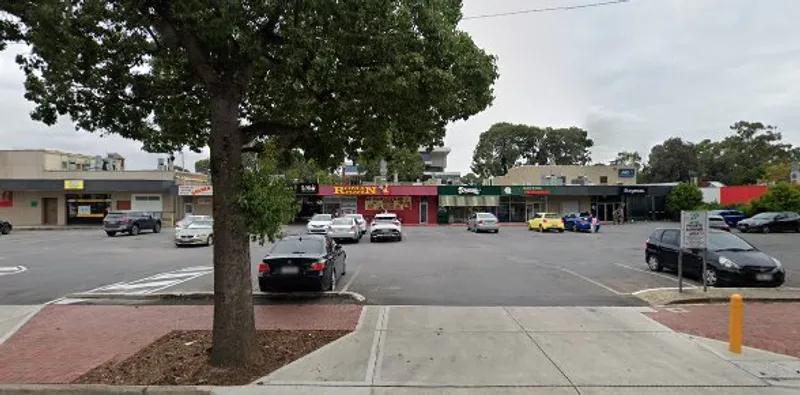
x,y
526,350
429,350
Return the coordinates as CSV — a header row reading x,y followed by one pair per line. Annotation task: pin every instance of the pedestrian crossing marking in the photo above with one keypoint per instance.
x,y
154,283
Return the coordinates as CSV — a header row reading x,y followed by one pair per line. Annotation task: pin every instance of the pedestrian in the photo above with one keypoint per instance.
x,y
594,223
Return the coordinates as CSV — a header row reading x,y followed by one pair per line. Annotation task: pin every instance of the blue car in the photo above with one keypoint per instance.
x,y
579,222
732,217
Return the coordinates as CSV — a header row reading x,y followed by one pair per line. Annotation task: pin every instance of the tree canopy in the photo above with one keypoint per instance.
x,y
406,163
673,160
684,196
202,165
334,79
631,159
505,145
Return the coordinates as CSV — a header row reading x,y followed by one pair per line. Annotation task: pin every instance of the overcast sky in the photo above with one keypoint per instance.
x,y
631,74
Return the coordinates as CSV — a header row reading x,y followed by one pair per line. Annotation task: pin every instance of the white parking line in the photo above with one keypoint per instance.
x,y
154,283
582,277
673,279
352,278
644,291
7,270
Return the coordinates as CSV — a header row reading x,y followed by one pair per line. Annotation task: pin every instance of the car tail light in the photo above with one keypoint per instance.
x,y
318,266
352,228
125,219
646,242
371,224
396,222
544,221
480,222
263,268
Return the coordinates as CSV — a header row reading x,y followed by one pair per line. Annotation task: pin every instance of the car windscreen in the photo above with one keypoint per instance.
x,y
385,219
727,242
298,246
113,215
764,216
321,217
486,216
200,225
715,219
551,216
585,214
343,221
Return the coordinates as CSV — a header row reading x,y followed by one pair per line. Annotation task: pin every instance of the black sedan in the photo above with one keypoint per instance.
x,y
770,222
731,260
5,226
307,262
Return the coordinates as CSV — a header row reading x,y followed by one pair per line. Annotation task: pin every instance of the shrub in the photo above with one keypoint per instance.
x,y
684,196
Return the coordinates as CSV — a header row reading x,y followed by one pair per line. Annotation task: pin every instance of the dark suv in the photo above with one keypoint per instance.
x,y
130,222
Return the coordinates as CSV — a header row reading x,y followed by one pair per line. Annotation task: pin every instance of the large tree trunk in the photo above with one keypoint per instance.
x,y
234,324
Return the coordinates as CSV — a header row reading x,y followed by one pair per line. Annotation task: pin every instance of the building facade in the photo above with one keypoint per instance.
x,y
567,175
413,204
44,187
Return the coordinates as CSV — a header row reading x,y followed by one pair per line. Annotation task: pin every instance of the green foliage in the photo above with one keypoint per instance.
x,y
506,145
684,196
203,166
266,199
471,179
777,172
673,160
631,159
407,163
779,197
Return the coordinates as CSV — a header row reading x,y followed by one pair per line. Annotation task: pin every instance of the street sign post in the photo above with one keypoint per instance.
x,y
694,236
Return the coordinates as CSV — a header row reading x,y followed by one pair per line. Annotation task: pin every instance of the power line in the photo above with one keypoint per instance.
x,y
537,10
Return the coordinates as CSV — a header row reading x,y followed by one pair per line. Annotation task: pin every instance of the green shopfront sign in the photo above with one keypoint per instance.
x,y
494,190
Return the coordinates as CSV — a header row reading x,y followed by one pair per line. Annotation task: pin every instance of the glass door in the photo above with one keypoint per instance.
x,y
423,212
531,208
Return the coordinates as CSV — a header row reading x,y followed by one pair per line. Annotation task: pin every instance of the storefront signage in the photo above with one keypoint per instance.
x,y
627,173
361,190
634,191
469,191
307,189
6,199
195,190
387,203
73,184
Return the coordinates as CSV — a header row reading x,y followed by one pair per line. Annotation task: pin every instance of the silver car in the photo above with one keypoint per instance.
x,y
345,228
196,233
483,222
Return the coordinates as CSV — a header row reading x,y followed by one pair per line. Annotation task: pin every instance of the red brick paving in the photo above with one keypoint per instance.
x,y
63,342
773,327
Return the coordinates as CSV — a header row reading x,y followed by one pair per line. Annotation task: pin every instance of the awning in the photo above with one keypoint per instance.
x,y
469,201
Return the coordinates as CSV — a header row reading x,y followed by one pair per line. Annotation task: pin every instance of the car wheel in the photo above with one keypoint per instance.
x,y
357,239
541,229
332,281
5,230
134,230
561,230
766,229
711,277
111,234
654,264
344,266
210,241
157,228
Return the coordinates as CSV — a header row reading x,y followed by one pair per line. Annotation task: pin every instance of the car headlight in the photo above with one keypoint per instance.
x,y
728,263
777,263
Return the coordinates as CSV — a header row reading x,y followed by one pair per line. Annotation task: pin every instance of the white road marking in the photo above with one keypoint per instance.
x,y
673,279
352,278
644,291
590,280
154,283
7,270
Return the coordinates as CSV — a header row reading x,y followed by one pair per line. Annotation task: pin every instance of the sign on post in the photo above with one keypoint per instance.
x,y
694,236
694,230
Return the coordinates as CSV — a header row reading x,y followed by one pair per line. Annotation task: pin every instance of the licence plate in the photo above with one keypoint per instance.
x,y
764,277
290,270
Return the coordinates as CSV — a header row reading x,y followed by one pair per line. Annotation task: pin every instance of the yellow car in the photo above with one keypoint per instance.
x,y
546,221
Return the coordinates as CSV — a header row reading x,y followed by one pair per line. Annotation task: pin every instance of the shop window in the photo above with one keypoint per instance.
x,y
603,180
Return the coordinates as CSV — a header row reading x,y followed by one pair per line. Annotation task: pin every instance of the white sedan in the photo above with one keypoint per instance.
x,y
319,224
385,226
362,223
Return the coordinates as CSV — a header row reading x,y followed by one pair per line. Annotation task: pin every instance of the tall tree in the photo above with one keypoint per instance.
x,y
684,196
506,145
672,160
406,163
329,77
498,150
631,159
202,166
471,179
747,153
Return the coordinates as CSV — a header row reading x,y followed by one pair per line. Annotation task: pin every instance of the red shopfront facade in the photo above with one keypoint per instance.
x,y
414,204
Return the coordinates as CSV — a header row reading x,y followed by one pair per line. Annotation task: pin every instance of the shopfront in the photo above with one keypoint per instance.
x,y
413,204
195,200
459,202
644,202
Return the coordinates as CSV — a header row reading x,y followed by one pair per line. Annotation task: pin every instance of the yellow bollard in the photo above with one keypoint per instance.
x,y
736,323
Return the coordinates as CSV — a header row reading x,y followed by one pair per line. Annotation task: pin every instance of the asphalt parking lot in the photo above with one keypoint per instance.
x,y
442,265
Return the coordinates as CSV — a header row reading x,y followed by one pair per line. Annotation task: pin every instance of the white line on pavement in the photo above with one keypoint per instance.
x,y
590,280
673,279
644,291
6,270
352,278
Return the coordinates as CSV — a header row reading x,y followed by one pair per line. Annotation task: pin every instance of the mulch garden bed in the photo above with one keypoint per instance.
x,y
183,358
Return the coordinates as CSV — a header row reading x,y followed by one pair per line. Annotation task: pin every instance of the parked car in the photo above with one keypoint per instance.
x,y
579,222
731,260
385,226
200,232
718,222
319,223
770,222
362,223
483,222
546,221
345,228
5,226
302,262
190,218
131,222
732,217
